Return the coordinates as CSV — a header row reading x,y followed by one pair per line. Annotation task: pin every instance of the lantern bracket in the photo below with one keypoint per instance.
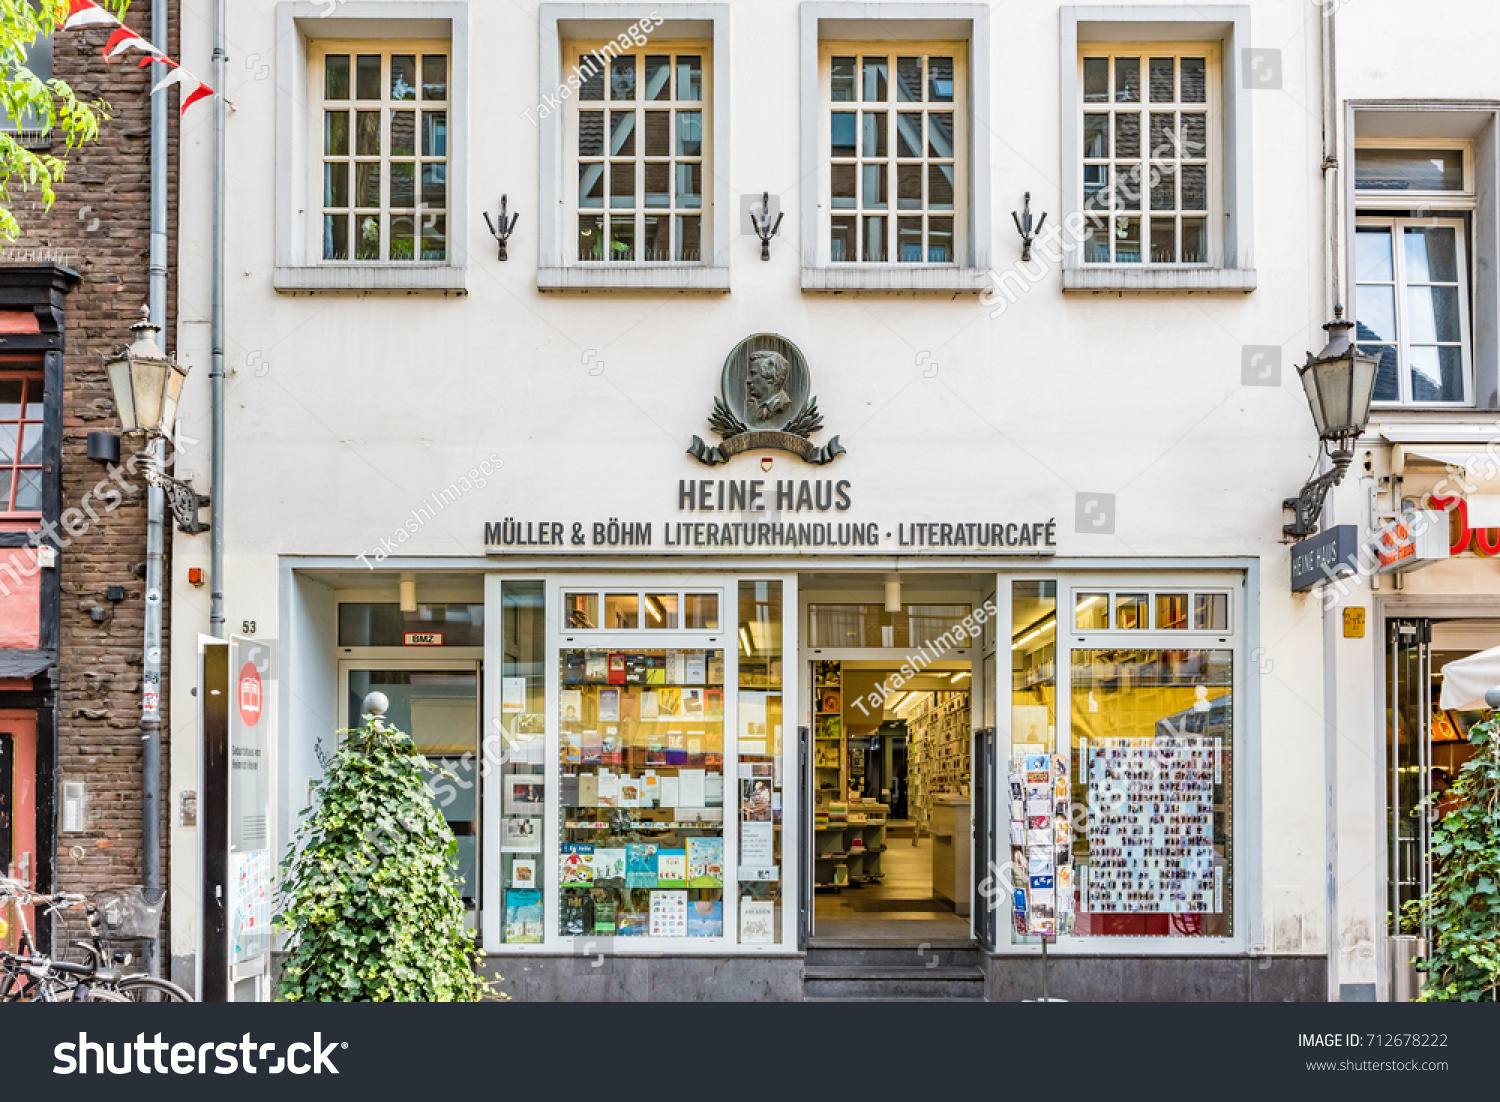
x,y
184,500
1308,505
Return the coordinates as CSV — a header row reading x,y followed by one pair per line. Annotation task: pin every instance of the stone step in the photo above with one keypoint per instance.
x,y
862,954
892,983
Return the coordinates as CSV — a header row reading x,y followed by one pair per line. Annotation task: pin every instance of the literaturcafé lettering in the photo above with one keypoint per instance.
x,y
765,517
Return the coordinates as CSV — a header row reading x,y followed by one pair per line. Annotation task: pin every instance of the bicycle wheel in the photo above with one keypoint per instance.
x,y
148,989
102,995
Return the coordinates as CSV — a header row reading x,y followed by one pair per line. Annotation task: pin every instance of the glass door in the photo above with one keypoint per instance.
x,y
438,706
1408,765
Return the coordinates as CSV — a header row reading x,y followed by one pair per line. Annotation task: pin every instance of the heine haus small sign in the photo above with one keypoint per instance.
x,y
1330,554
777,516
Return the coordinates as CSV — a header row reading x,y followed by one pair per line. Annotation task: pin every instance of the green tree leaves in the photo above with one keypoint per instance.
x,y
50,104
367,891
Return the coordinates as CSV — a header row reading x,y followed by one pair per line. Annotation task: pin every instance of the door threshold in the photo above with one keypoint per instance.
x,y
890,943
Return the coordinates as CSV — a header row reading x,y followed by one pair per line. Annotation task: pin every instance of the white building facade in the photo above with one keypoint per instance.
x,y
606,509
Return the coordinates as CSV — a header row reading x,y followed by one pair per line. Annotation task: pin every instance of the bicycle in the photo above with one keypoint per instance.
x,y
27,976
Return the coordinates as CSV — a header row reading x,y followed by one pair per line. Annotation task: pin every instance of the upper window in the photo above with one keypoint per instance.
x,y
383,173
640,610
895,152
1403,171
639,135
1151,611
21,434
27,126
1148,154
1412,307
1415,203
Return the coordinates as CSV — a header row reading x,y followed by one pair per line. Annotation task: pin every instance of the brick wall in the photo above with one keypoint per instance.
x,y
100,227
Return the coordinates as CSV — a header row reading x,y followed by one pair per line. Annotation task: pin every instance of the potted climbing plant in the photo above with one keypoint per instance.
x,y
1461,912
367,891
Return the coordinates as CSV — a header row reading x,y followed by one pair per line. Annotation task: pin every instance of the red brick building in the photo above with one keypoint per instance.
x,y
71,634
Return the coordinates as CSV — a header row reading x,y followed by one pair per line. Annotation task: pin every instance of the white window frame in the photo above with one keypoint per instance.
x,y
1212,156
301,27
1463,200
1226,26
318,54
557,223
576,54
900,28
1397,226
958,107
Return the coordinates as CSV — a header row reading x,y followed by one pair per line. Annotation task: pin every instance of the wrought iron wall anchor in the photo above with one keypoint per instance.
x,y
506,227
185,502
1308,505
1024,228
762,223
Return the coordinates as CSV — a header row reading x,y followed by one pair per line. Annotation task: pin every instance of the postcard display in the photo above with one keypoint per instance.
x,y
1151,826
1041,846
642,793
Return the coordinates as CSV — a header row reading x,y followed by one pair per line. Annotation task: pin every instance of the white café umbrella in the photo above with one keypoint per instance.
x,y
1467,680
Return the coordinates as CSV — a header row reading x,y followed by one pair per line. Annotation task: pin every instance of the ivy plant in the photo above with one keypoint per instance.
x,y
1461,913
367,891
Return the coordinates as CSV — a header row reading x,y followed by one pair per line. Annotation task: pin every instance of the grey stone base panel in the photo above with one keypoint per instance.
x,y
647,979
1159,979
1007,979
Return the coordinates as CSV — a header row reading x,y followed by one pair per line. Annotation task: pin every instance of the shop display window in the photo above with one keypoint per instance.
x,y
642,793
1133,743
523,726
1153,763
760,778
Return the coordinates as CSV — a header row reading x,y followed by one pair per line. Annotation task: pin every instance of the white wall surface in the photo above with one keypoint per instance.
x,y
345,412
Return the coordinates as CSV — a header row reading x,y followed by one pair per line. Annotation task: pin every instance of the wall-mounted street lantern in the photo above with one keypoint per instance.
x,y
147,382
147,385
1339,382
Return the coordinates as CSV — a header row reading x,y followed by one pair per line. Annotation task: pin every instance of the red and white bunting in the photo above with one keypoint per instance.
x,y
86,13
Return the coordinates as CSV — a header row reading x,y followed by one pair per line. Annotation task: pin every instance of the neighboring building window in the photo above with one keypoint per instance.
x,y
384,164
1412,307
895,152
639,135
27,129
1414,200
1149,186
21,433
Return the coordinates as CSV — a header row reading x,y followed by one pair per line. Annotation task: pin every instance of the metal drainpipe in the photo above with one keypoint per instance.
x,y
1332,610
216,367
156,504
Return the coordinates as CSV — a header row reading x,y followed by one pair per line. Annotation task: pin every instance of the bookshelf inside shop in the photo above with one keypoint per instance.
x,y
849,833
938,747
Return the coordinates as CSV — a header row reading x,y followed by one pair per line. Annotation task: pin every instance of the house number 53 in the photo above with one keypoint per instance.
x,y
247,627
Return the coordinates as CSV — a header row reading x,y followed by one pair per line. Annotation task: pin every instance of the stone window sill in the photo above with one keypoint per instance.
x,y
630,277
372,277
895,279
1135,278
